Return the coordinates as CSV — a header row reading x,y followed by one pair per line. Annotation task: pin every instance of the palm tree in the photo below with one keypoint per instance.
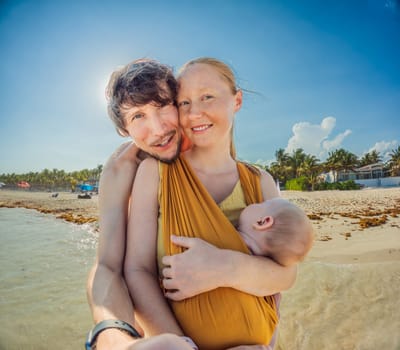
x,y
295,160
394,161
311,168
339,160
281,156
370,158
99,170
280,168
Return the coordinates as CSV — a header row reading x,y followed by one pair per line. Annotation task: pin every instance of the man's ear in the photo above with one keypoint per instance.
x,y
264,223
238,100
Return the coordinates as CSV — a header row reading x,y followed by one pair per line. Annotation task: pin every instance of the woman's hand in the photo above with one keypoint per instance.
x,y
196,270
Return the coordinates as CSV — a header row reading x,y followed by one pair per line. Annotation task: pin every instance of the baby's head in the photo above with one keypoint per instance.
x,y
277,228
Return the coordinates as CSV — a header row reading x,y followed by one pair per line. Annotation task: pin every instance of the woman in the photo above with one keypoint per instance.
x,y
207,100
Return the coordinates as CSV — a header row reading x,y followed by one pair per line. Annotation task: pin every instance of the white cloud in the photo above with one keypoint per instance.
x,y
384,148
314,138
335,143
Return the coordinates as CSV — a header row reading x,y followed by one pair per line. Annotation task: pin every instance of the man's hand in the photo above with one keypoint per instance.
x,y
251,347
158,342
128,151
161,342
196,270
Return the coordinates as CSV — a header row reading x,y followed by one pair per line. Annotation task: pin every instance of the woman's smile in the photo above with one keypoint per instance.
x,y
201,128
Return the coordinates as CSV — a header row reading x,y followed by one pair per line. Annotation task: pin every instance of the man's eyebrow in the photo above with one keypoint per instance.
x,y
128,113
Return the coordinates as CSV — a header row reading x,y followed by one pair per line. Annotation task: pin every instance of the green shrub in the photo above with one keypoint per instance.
x,y
298,184
342,186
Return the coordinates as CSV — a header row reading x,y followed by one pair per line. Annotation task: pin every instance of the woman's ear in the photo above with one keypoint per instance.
x,y
238,100
264,223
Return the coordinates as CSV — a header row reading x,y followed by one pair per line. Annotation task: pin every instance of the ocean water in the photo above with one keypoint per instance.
x,y
44,264
43,269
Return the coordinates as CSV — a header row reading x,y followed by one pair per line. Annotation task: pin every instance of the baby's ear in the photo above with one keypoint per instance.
x,y
264,223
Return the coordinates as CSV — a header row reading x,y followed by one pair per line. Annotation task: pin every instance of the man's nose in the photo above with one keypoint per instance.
x,y
158,126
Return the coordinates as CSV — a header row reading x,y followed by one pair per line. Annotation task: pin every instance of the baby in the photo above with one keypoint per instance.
x,y
278,229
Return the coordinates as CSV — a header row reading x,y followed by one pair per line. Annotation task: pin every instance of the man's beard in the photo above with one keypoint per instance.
x,y
173,158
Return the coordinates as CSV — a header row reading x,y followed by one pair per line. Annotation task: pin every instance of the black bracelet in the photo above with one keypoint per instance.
x,y
101,326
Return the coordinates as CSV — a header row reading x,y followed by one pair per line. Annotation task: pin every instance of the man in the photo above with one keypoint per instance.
x,y
143,90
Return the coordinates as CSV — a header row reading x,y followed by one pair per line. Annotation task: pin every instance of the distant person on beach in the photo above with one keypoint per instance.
x,y
278,229
142,105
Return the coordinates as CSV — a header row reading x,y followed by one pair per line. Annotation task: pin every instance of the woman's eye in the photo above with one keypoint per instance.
x,y
207,97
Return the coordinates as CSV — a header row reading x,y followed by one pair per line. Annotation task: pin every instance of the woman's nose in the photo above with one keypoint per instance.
x,y
195,111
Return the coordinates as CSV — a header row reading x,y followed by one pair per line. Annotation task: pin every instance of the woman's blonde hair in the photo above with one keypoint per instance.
x,y
226,72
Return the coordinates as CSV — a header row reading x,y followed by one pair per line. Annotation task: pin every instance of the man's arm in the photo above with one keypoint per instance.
x,y
106,288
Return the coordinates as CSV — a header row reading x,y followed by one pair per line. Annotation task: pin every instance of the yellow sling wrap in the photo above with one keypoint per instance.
x,y
223,317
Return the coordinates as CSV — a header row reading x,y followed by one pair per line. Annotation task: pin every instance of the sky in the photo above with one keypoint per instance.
x,y
317,75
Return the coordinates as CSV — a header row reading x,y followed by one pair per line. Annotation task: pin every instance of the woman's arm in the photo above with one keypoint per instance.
x,y
204,267
151,307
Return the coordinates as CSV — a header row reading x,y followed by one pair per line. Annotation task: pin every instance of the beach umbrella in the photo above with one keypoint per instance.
x,y
23,184
86,187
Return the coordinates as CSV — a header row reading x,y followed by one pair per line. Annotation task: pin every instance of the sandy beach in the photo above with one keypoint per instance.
x,y
350,226
353,226
346,294
65,206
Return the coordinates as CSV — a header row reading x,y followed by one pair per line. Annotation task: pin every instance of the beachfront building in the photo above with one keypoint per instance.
x,y
371,171
371,175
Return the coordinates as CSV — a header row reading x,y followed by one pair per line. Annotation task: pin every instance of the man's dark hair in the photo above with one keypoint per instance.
x,y
138,83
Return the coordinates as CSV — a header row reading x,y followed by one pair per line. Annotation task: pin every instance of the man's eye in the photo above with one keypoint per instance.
x,y
183,103
137,116
207,97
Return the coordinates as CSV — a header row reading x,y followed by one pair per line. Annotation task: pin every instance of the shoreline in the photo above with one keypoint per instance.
x,y
360,226
66,206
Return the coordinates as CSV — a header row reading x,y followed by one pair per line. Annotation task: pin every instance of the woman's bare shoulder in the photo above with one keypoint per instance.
x,y
148,175
148,164
268,185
